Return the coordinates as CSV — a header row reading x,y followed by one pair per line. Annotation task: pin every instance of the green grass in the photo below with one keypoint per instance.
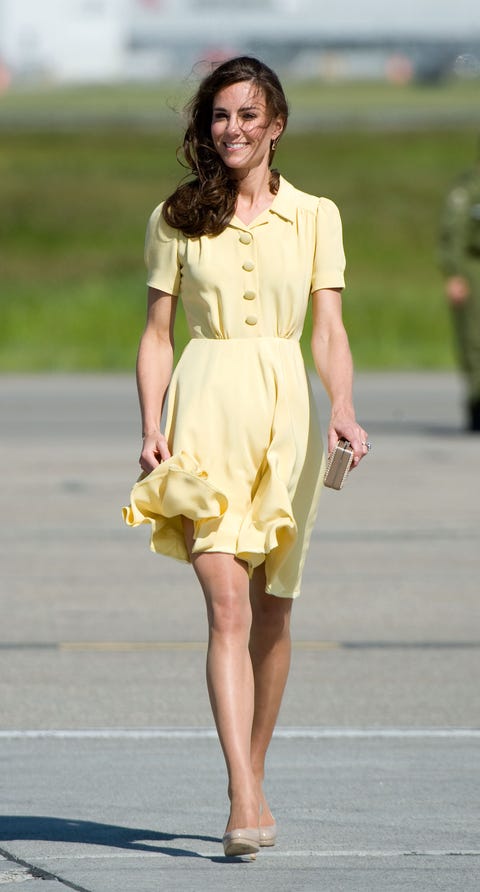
x,y
74,207
390,188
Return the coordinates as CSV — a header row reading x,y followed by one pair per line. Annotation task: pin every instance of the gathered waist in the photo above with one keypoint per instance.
x,y
234,352
262,349
262,339
224,356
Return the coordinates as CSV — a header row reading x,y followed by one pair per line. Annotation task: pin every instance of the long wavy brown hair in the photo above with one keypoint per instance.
x,y
205,204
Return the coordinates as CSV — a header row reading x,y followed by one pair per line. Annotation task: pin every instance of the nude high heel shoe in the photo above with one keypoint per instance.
x,y
268,835
245,841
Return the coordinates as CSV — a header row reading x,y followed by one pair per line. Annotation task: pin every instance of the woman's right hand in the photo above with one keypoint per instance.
x,y
154,450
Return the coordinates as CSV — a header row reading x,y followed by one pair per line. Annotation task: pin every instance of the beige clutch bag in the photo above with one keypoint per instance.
x,y
339,463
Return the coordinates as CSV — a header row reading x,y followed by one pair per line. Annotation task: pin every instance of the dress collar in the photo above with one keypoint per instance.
x,y
283,205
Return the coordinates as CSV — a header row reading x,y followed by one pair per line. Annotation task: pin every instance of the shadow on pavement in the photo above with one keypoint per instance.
x,y
39,827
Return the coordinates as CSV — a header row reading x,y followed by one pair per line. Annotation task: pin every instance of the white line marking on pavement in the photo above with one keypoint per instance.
x,y
397,733
359,853
284,733
277,853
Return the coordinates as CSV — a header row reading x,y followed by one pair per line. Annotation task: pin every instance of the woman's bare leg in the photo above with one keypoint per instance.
x,y
225,585
270,650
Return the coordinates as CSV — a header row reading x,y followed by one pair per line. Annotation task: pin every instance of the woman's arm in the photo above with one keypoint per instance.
x,y
333,361
154,370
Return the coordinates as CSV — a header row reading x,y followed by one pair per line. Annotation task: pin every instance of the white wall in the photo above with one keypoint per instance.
x,y
64,39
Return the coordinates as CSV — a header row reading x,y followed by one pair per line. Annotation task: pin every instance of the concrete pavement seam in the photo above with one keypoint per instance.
x,y
38,873
119,646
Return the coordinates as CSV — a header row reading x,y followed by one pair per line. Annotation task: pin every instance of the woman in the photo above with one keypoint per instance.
x,y
232,485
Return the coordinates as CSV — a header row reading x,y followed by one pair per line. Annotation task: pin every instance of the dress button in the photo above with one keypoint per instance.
x,y
251,320
249,295
245,238
248,266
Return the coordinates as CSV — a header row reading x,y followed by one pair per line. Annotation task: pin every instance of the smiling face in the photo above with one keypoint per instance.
x,y
242,127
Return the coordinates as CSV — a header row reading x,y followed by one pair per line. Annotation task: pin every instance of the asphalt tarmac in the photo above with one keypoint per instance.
x,y
111,775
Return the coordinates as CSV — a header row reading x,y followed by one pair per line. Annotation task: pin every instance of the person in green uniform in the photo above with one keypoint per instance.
x,y
460,263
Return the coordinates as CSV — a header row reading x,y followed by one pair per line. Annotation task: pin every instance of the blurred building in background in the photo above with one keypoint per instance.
x,y
63,40
81,41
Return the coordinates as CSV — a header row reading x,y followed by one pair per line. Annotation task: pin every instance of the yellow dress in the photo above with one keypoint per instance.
x,y
247,453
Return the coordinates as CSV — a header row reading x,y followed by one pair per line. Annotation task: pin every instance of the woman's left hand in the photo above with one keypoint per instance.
x,y
345,425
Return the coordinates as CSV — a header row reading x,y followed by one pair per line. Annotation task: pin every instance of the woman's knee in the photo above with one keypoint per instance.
x,y
229,614
271,615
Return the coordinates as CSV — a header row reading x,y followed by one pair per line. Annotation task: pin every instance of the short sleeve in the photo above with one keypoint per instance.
x,y
162,256
329,258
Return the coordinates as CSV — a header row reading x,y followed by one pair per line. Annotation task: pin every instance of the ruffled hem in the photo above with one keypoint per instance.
x,y
180,487
177,487
269,529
